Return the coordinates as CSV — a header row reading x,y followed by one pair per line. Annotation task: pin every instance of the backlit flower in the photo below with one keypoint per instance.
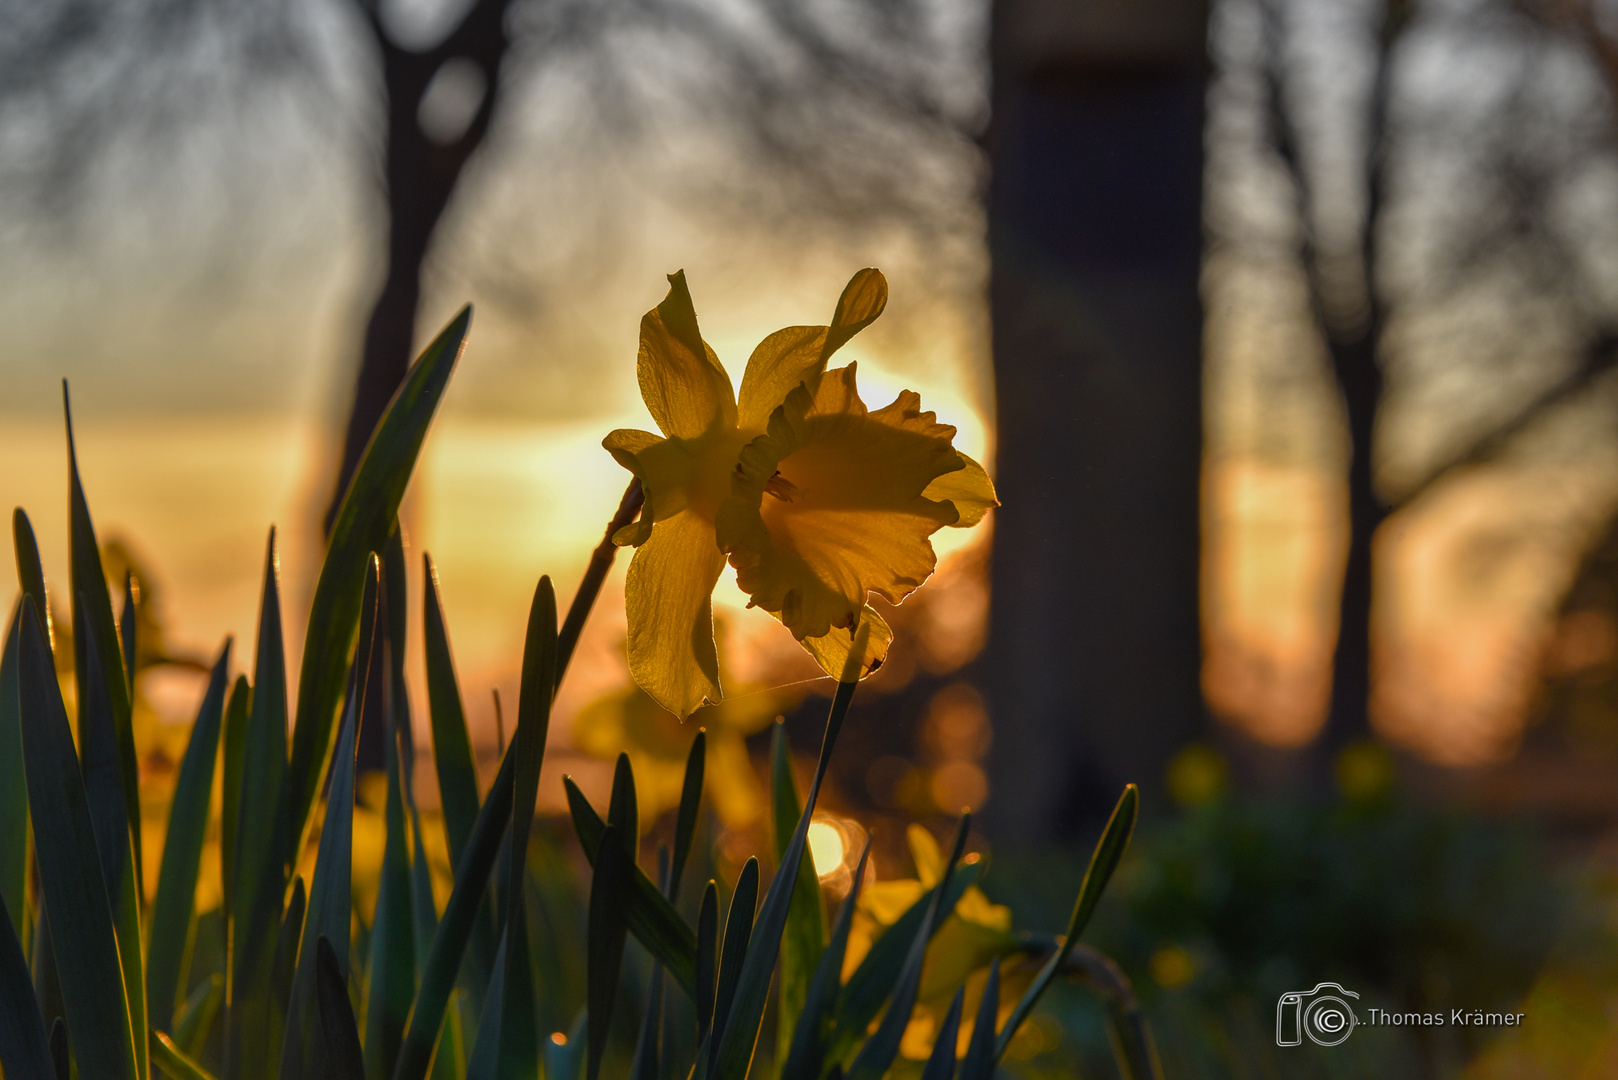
x,y
815,499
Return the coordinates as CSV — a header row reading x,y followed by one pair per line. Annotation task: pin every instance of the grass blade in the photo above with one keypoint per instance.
x,y
30,572
873,981
647,912
980,1055
707,959
881,1048
362,525
733,952
169,938
25,1051
93,625
343,1058
86,960
1109,850
941,1062
519,1044
605,944
330,896
173,1061
452,747
736,1043
103,782
392,970
263,847
622,808
685,822
13,782
198,1013
235,757
455,927
803,940
813,1030
126,632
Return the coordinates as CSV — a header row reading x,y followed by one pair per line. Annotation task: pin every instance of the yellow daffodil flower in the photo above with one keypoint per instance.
x,y
815,499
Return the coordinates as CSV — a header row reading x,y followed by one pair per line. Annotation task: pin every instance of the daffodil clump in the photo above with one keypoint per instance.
x,y
816,500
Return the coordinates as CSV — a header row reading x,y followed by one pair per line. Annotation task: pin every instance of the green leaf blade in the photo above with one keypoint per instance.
x,y
87,961
173,907
363,523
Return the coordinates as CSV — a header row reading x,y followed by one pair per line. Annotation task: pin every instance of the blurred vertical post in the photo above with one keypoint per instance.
x,y
1095,224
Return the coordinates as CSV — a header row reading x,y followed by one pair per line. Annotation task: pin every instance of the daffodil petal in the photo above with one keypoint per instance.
x,y
969,489
827,506
798,354
864,298
666,470
781,361
681,380
668,600
831,649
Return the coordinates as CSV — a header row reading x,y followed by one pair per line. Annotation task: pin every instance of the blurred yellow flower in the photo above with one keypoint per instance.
x,y
853,495
629,720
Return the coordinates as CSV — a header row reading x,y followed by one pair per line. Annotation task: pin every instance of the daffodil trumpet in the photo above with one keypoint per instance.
x,y
815,500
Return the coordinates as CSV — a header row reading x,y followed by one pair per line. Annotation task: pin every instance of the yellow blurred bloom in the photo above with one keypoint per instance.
x,y
816,500
629,720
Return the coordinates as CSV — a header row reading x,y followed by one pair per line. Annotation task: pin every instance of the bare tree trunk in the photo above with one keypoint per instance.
x,y
419,176
1095,223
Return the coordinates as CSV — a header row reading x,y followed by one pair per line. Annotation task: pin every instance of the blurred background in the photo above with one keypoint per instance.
x,y
1287,327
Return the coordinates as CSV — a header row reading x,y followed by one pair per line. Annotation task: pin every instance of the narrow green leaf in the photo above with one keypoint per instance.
x,y
733,951
484,1062
734,1055
330,896
452,746
30,572
169,939
93,624
103,779
980,1056
100,764
809,1039
362,525
455,927
1109,850
13,782
126,632
873,981
173,1061
283,968
392,970
343,1057
941,1062
645,1063
647,912
882,1047
707,960
60,1056
685,822
263,848
235,757
604,942
198,1013
519,1044
25,1052
70,873
622,808
803,939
